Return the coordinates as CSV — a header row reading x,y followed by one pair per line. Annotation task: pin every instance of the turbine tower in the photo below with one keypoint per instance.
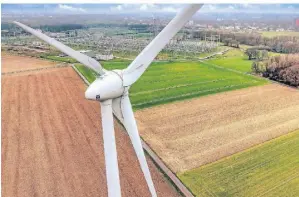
x,y
111,89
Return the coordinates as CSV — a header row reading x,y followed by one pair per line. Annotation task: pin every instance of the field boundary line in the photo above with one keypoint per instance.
x,y
224,68
34,69
188,94
182,189
80,75
214,54
276,82
178,86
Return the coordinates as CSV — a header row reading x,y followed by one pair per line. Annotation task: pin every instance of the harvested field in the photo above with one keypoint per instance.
x,y
13,63
52,141
192,133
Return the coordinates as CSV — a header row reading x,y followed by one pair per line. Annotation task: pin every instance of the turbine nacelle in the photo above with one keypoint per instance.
x,y
107,86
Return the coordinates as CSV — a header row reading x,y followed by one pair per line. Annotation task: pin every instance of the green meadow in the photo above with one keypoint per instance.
x,y
165,82
234,59
61,59
269,169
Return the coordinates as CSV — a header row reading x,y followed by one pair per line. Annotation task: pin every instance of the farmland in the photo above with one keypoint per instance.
x,y
234,59
52,142
270,169
13,63
189,134
218,119
271,34
182,80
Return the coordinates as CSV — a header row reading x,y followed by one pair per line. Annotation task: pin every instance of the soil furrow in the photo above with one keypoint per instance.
x,y
192,133
60,141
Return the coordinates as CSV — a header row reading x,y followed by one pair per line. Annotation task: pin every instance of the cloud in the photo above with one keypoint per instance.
x,y
235,8
207,8
122,7
170,9
119,7
145,8
245,5
231,7
211,7
70,8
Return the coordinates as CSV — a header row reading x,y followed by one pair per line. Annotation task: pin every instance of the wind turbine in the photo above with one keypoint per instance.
x,y
111,90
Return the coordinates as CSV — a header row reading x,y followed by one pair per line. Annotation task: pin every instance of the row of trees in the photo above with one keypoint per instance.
x,y
257,53
283,68
60,28
279,44
232,43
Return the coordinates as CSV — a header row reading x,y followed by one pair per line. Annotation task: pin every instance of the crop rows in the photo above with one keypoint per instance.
x,y
270,169
190,134
51,137
188,95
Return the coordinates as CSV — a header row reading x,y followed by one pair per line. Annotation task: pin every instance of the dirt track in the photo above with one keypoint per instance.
x,y
52,142
12,63
191,133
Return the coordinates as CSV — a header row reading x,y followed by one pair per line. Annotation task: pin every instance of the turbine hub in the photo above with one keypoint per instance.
x,y
107,86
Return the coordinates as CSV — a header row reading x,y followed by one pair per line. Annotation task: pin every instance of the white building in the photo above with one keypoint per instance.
x,y
104,57
88,53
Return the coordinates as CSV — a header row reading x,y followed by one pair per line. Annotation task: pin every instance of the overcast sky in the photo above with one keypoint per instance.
x,y
134,8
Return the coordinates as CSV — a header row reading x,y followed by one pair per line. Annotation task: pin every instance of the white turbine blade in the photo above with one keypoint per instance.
x,y
143,60
112,171
131,127
84,59
116,108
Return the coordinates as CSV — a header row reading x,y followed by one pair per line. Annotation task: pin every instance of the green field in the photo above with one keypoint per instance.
x,y
89,74
164,82
269,169
271,34
61,59
234,59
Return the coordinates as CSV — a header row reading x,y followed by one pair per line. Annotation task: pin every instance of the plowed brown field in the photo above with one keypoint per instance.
x,y
52,142
12,63
192,133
